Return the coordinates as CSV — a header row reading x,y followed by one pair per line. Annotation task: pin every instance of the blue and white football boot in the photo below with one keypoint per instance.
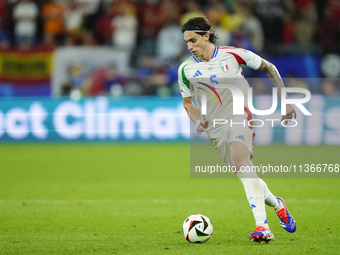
x,y
261,234
286,219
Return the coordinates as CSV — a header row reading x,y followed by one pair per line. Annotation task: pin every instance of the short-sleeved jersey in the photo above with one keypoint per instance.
x,y
196,77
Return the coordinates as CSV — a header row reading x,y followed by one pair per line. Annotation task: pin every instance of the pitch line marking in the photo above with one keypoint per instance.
x,y
154,201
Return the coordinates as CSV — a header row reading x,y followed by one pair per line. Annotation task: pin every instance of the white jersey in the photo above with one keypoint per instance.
x,y
196,77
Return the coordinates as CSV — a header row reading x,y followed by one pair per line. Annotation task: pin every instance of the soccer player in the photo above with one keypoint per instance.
x,y
212,65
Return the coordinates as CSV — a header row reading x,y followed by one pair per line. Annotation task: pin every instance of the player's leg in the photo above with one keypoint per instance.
x,y
286,219
240,155
269,198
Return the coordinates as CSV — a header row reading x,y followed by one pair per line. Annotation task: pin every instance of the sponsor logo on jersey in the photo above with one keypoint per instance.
x,y
210,68
224,65
240,137
198,73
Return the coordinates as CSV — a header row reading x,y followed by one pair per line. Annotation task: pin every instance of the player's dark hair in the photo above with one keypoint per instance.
x,y
200,23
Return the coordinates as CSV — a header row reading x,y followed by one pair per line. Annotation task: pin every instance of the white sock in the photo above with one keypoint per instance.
x,y
255,196
269,198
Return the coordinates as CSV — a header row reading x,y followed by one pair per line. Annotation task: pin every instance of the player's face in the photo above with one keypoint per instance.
x,y
197,44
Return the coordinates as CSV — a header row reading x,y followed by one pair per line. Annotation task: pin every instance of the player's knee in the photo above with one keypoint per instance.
x,y
239,155
238,162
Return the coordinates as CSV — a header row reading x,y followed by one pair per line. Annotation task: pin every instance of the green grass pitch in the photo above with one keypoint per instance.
x,y
133,199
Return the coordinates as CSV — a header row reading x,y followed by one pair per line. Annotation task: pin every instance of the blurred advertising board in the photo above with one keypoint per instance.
x,y
148,119
93,119
83,68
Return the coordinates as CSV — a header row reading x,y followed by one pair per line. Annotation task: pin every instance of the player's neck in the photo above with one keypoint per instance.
x,y
208,53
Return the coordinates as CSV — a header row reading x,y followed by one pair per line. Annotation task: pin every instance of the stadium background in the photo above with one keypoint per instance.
x,y
94,58
91,121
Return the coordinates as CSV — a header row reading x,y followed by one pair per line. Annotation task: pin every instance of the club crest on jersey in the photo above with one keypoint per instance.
x,y
224,65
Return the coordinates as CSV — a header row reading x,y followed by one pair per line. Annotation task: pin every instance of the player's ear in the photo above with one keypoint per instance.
x,y
206,37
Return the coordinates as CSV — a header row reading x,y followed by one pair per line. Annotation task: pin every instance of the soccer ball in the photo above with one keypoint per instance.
x,y
197,228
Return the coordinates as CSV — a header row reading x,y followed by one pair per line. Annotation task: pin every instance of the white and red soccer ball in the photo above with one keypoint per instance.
x,y
197,228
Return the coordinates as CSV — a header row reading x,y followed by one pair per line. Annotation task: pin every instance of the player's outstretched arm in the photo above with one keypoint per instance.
x,y
276,79
195,115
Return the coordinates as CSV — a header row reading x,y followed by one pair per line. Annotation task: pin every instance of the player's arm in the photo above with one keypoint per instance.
x,y
192,111
276,79
195,115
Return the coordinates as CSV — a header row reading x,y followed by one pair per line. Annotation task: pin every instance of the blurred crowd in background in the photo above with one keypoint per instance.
x,y
150,32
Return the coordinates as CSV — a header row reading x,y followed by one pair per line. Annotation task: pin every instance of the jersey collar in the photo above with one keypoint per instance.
x,y
213,56
215,52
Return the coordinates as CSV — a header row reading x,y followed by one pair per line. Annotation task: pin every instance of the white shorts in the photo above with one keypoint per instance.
x,y
223,135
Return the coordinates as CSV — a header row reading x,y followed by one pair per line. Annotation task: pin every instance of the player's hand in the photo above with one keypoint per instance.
x,y
201,125
290,114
